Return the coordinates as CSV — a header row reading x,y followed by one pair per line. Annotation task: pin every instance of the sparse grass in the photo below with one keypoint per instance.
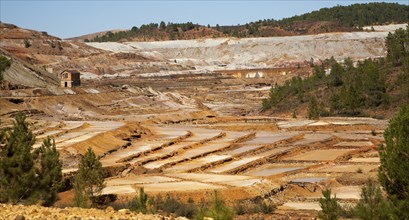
x,y
250,207
216,208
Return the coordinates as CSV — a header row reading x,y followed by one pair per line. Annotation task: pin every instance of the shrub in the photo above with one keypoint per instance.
x,y
139,203
27,43
217,210
171,205
249,207
4,64
59,46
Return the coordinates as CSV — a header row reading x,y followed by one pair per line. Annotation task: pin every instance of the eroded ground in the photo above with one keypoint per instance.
x,y
171,142
189,130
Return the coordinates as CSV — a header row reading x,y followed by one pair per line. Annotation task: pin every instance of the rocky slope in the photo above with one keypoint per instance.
x,y
47,56
245,53
38,58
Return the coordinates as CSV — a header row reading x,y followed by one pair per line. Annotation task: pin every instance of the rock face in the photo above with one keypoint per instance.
x,y
38,212
233,53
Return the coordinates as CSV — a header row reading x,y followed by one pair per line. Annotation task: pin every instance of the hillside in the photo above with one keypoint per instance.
x,y
268,52
335,19
356,15
37,58
179,127
93,35
370,87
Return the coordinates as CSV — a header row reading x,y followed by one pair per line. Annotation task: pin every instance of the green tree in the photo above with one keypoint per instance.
x,y
393,172
337,70
313,108
59,46
335,102
4,64
162,25
17,173
27,43
49,172
89,180
372,205
397,45
374,84
52,44
329,205
80,199
351,100
26,175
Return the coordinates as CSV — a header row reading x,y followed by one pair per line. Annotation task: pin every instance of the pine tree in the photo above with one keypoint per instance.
x,y
313,109
162,25
353,100
17,173
393,172
80,199
89,180
372,205
49,172
330,207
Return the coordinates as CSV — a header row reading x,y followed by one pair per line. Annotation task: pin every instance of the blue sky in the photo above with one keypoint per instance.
x,y
76,17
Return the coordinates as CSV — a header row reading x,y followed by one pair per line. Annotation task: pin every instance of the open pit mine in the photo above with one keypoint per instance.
x,y
183,117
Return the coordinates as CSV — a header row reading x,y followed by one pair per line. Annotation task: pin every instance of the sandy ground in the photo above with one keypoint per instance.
x,y
320,155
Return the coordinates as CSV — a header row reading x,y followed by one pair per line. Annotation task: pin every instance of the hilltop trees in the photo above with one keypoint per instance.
x,y
352,17
356,15
349,89
25,175
89,180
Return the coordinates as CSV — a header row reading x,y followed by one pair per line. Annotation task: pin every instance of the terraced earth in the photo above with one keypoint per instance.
x,y
289,165
191,130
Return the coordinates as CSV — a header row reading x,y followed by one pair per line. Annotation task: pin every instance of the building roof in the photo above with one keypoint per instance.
x,y
70,71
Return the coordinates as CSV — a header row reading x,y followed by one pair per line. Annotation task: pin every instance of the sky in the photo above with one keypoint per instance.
x,y
72,18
